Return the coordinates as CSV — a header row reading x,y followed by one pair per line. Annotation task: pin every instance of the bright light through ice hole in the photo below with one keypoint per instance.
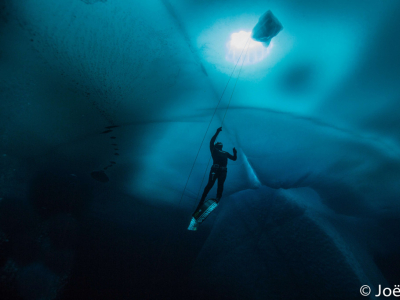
x,y
256,51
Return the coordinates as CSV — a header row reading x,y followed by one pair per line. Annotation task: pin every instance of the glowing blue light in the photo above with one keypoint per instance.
x,y
256,52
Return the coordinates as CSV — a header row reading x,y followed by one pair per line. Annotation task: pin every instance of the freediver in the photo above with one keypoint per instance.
x,y
218,169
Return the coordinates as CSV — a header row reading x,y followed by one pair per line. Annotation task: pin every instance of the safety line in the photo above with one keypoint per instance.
x,y
209,124
223,119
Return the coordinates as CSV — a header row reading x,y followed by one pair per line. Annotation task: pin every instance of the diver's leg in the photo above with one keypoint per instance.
x,y
221,181
211,180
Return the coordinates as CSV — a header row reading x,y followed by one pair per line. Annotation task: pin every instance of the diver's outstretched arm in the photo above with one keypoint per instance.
x,y
212,142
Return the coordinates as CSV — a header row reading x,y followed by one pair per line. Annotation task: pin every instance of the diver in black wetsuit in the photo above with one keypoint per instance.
x,y
218,169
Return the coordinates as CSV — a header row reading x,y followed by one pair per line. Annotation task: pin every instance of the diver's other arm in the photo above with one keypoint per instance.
x,y
212,142
234,156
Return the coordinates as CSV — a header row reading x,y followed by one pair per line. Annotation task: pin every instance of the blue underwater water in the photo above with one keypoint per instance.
x,y
107,108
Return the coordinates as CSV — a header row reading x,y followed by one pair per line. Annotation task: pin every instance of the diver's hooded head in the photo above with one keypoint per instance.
x,y
218,145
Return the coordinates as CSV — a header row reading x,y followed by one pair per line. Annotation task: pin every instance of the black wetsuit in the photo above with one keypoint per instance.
x,y
218,170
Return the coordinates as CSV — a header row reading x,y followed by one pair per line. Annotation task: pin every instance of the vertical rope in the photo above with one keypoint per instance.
x,y
209,124
223,119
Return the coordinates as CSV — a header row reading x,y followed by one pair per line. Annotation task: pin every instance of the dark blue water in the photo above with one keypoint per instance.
x,y
107,107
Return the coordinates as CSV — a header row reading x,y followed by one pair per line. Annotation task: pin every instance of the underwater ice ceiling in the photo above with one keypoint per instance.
x,y
316,105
